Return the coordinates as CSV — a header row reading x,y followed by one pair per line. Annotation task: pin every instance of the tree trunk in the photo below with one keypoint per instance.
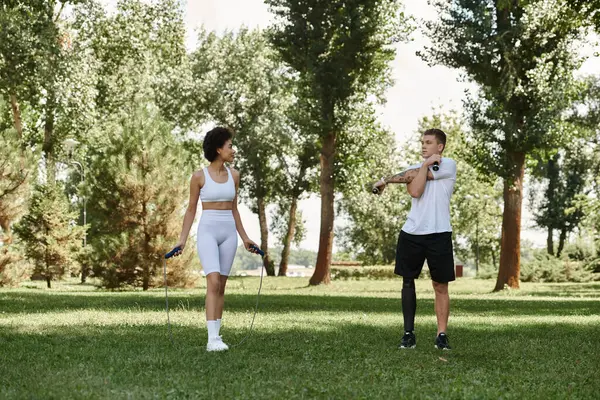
x,y
48,282
144,222
6,229
552,174
322,274
287,240
16,111
264,235
84,273
510,250
48,146
550,242
561,241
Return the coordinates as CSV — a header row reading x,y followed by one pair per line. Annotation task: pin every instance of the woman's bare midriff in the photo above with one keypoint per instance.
x,y
218,205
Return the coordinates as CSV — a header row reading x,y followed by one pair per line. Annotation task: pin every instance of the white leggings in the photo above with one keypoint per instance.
x,y
216,241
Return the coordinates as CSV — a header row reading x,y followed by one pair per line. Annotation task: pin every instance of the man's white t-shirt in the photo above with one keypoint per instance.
x,y
430,213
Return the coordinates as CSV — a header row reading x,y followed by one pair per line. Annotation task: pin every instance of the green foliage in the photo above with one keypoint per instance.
x,y
139,185
51,240
581,250
588,8
239,82
586,117
139,48
374,225
245,260
45,69
29,41
367,153
362,273
475,205
563,178
340,49
17,170
341,52
14,268
522,57
280,219
375,222
547,268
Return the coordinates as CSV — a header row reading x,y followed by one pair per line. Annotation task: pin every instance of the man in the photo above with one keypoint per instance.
x,y
427,234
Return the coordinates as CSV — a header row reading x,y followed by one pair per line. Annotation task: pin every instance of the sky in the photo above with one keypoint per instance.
x,y
417,90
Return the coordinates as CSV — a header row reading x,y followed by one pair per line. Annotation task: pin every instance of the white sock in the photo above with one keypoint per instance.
x,y
213,331
218,326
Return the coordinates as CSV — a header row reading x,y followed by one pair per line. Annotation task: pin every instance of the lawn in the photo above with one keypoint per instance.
x,y
339,341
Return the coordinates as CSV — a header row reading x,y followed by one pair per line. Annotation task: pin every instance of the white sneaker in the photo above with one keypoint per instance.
x,y
225,347
216,344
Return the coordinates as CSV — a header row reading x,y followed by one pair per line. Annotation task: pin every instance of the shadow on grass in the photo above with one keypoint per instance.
x,y
350,361
569,290
39,302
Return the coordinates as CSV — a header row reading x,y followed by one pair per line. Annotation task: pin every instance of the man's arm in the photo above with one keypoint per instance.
x,y
406,176
417,186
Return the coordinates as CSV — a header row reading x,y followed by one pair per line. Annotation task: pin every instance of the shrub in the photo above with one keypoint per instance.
x,y
547,268
13,267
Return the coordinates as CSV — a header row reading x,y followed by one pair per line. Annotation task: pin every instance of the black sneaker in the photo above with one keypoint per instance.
x,y
409,341
441,342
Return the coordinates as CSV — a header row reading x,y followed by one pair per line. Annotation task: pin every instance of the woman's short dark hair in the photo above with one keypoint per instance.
x,y
215,139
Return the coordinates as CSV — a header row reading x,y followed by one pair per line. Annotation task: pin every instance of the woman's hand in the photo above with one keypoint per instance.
x,y
248,243
181,245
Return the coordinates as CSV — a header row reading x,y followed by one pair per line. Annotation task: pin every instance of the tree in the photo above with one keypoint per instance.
x,y
374,222
520,53
564,179
16,172
41,68
589,8
299,159
288,226
586,116
475,206
239,82
28,40
140,183
139,49
51,239
341,51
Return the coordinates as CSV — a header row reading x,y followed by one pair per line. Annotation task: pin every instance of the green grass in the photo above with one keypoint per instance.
x,y
309,342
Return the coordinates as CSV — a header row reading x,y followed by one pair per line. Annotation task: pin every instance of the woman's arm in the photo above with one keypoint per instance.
x,y
236,214
195,185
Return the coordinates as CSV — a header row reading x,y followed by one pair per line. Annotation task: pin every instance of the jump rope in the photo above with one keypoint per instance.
x,y
177,249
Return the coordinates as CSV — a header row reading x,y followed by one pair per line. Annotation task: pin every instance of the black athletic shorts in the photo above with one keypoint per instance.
x,y
436,248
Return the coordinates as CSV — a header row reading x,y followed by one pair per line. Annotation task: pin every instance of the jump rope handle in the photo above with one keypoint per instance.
x,y
257,250
172,252
176,249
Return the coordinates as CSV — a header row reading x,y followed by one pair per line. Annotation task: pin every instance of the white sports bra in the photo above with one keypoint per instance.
x,y
213,191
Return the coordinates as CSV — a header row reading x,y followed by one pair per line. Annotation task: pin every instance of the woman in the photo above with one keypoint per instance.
x,y
216,186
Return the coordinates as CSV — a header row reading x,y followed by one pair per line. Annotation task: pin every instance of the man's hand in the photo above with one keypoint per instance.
x,y
434,158
380,185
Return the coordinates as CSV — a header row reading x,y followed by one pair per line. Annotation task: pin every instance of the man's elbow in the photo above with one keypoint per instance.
x,y
414,193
